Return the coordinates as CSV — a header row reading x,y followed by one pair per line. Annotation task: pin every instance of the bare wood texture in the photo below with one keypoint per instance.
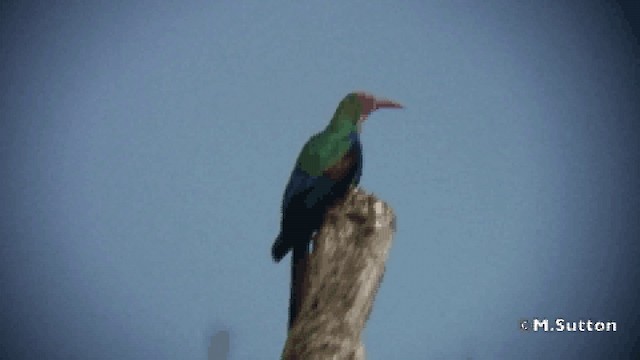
x,y
344,273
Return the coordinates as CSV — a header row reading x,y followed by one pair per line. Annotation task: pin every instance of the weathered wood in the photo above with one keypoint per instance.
x,y
344,273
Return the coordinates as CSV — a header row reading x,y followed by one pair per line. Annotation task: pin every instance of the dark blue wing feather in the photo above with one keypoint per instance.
x,y
300,183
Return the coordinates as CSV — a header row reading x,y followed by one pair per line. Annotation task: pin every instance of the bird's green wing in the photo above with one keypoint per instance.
x,y
322,151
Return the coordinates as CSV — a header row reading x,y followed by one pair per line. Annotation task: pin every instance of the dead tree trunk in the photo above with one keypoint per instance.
x,y
344,272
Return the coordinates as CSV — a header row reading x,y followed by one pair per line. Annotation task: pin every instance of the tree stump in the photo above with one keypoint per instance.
x,y
343,274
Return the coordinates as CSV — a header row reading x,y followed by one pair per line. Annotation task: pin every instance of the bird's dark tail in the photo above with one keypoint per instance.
x,y
280,248
299,257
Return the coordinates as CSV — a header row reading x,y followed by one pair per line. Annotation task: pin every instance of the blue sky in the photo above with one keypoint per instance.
x,y
145,149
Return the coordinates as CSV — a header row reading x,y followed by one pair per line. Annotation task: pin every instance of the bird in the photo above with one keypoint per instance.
x,y
329,164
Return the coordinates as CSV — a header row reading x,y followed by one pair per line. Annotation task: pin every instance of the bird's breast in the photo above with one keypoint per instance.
x,y
345,165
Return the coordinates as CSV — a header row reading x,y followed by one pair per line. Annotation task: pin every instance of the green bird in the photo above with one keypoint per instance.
x,y
328,165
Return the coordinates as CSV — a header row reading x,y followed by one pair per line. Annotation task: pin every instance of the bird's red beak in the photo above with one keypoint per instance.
x,y
371,103
385,103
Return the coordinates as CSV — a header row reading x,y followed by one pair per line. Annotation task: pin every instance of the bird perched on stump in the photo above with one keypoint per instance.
x,y
328,165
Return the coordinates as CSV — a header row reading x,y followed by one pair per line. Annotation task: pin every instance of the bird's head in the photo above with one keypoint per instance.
x,y
356,107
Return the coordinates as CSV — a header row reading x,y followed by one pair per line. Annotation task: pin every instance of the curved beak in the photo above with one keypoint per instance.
x,y
386,103
371,103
